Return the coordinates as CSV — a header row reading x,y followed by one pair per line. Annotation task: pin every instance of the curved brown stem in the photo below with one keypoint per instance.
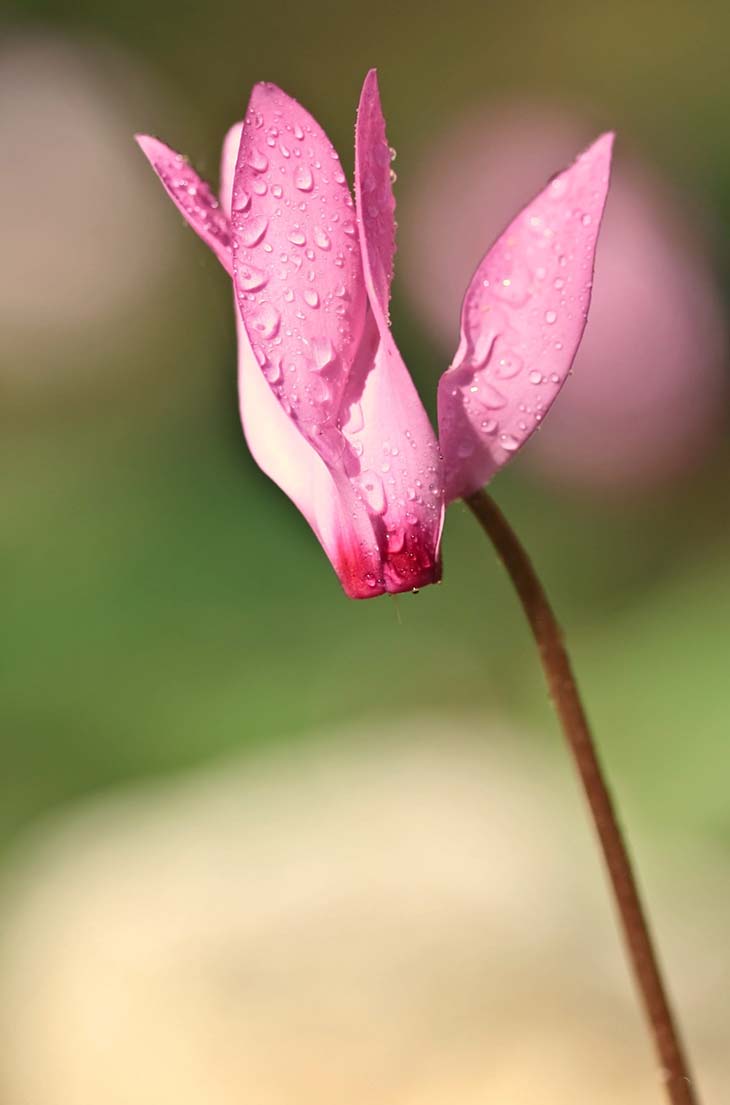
x,y
565,696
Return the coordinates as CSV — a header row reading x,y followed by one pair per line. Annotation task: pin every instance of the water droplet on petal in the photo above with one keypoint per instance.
x,y
250,278
241,200
324,353
297,238
321,238
272,371
490,397
311,298
303,178
251,230
550,317
535,377
373,492
258,161
266,320
355,420
508,364
509,442
396,539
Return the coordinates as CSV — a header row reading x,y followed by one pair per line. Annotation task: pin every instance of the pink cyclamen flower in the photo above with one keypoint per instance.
x,y
328,407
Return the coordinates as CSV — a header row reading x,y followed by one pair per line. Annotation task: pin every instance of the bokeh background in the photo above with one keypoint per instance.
x,y
261,843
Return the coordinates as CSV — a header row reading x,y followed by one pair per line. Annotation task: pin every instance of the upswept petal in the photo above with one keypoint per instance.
x,y
328,502
192,196
375,199
522,320
297,267
400,465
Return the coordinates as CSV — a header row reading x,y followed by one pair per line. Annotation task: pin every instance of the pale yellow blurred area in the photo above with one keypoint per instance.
x,y
408,916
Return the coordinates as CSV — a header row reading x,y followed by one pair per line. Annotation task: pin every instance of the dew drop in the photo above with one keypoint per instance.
x,y
324,353
355,420
311,298
492,398
396,540
321,238
297,238
258,161
535,377
509,442
241,200
550,317
272,371
373,492
319,389
252,230
508,365
250,278
303,178
266,320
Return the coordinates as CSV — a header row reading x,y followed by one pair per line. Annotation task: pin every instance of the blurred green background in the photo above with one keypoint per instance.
x,y
163,603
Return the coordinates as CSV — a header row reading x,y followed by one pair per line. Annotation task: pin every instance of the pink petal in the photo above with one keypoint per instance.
x,y
328,501
375,199
297,268
400,472
397,470
229,157
522,320
192,197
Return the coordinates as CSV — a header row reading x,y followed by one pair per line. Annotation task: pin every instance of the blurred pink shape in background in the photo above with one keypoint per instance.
x,y
647,394
82,245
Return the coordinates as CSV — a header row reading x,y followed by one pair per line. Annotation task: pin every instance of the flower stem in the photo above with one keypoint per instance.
x,y
564,693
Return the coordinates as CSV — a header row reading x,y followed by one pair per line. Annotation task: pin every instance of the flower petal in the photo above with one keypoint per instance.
x,y
400,464
522,320
328,501
375,199
397,466
297,268
192,196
